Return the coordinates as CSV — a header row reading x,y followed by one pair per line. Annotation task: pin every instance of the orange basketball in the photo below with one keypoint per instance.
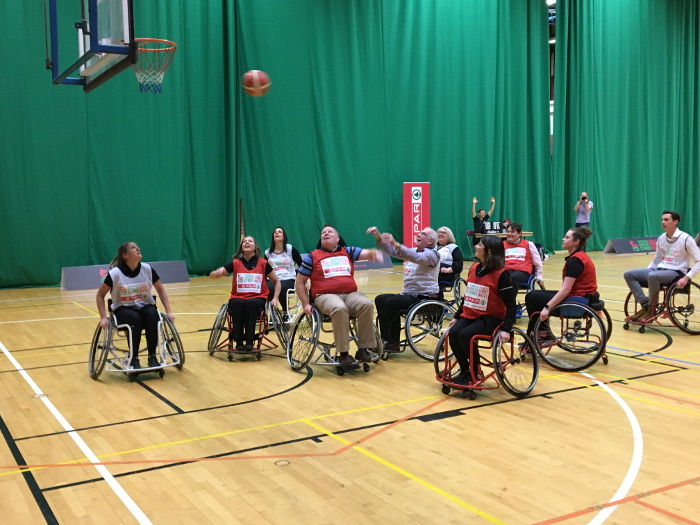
x,y
256,82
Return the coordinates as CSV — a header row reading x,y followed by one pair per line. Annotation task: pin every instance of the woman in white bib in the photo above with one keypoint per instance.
x,y
451,258
248,291
284,259
130,281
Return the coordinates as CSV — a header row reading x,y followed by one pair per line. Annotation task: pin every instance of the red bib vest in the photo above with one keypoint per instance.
x,y
518,256
586,282
481,296
332,272
248,284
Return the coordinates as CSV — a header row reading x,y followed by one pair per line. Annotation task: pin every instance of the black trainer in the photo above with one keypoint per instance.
x,y
153,361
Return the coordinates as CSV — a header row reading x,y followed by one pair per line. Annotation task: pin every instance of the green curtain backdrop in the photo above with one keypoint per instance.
x,y
366,94
627,114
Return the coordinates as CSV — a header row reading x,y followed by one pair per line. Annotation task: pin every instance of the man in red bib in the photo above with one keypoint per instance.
x,y
334,292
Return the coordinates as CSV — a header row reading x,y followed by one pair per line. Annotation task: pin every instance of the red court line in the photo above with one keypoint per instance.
x,y
667,513
392,425
628,499
233,458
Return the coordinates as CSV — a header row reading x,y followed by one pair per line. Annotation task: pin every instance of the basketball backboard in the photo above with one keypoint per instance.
x,y
104,32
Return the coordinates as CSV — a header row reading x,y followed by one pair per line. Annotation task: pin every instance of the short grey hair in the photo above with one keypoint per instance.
x,y
432,234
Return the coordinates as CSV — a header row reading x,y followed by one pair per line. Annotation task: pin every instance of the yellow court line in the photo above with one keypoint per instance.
x,y
627,396
403,472
86,308
228,433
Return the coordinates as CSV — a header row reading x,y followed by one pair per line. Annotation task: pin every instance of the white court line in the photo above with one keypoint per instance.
x,y
637,452
50,319
89,454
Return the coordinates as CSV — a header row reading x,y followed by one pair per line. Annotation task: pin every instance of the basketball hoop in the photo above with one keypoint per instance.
x,y
154,57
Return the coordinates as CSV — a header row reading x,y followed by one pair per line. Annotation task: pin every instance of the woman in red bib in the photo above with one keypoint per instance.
x,y
488,301
248,291
578,274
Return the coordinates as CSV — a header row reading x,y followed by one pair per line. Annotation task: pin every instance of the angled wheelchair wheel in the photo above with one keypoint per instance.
x,y
458,289
631,306
303,338
572,338
532,284
515,363
97,358
608,324
439,362
218,328
277,317
426,322
683,305
173,344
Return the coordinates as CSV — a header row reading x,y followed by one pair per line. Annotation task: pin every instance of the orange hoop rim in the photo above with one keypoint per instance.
x,y
172,46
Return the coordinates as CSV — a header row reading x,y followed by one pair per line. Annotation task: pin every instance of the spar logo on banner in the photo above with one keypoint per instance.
x,y
416,210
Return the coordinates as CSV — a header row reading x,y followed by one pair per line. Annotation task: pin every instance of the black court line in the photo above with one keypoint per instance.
x,y
317,438
37,492
309,375
165,400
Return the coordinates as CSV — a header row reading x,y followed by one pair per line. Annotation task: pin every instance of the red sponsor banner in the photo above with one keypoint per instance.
x,y
416,210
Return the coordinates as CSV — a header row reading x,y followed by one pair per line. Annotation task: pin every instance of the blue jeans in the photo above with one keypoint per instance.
x,y
639,277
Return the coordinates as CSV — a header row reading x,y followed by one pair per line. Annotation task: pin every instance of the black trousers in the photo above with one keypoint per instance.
x,y
244,316
518,277
389,307
286,285
534,302
139,318
461,334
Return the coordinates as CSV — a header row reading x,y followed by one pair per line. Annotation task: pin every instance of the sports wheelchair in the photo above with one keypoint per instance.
x,y
427,320
106,355
528,286
220,339
575,334
283,319
513,364
675,304
305,337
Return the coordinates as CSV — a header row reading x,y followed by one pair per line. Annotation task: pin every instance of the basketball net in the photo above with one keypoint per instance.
x,y
154,57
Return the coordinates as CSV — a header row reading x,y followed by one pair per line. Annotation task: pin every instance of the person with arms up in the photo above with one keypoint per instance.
x,y
130,281
330,271
677,257
480,217
420,281
248,291
489,301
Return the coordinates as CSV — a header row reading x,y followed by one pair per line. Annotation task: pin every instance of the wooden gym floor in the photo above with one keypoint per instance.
x,y
254,442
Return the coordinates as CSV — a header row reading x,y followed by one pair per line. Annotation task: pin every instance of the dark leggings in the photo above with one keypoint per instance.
x,y
535,301
389,308
244,317
146,317
518,277
286,285
461,335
